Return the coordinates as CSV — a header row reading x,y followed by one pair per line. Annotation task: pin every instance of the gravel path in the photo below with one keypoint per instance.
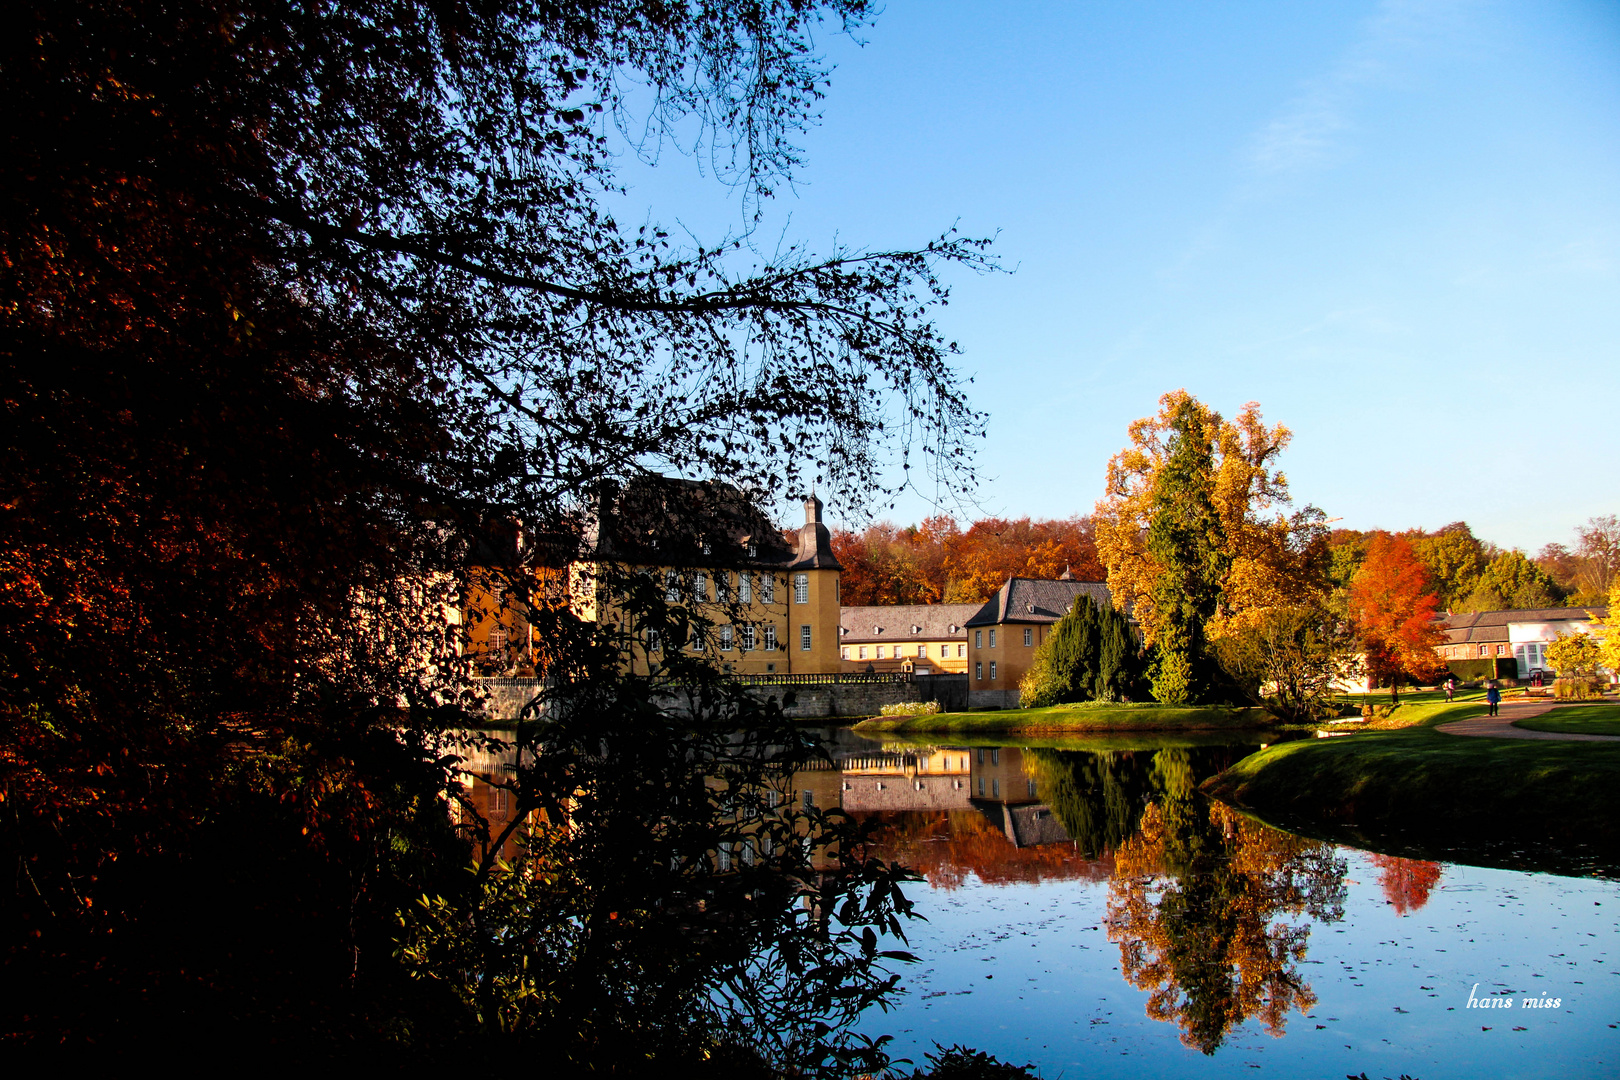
x,y
1501,727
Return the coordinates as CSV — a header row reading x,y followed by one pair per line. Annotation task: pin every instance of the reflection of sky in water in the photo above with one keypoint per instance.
x,y
1026,971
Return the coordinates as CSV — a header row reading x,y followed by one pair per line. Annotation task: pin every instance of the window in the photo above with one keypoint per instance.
x,y
992,639
745,587
863,652
653,643
995,755
922,652
961,652
801,588
499,800
1029,637
748,637
672,586
804,639
767,588
844,653
694,639
722,587
981,755
770,637
1030,786
882,652
978,639
995,788
753,549
1484,650
992,671
1501,650
725,638
981,787
978,671
700,586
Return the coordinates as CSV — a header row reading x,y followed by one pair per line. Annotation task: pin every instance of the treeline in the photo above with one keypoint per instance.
x,y
938,562
1468,574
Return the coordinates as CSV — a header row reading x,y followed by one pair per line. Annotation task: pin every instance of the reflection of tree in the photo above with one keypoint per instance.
x,y
945,846
1098,796
1406,882
1192,905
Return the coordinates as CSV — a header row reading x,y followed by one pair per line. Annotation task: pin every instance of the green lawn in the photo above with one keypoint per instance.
x,y
1083,717
1591,719
1432,787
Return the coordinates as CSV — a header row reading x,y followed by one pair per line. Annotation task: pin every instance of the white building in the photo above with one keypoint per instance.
x,y
1523,634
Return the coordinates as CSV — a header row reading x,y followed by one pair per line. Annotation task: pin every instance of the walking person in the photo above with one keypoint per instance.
x,y
1451,687
1493,698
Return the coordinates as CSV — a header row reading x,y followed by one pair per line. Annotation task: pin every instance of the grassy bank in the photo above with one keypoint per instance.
x,y
1088,717
1598,718
1434,788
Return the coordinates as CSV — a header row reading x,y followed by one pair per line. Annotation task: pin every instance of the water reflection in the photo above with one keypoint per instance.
x,y
1211,911
1206,907
1407,883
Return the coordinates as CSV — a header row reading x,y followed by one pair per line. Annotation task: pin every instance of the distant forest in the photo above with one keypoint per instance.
x,y
940,562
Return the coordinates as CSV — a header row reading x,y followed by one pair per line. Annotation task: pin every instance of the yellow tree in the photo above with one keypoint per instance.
x,y
1608,632
1273,559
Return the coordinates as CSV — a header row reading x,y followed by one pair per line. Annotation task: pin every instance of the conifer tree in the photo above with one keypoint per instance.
x,y
1090,655
1186,539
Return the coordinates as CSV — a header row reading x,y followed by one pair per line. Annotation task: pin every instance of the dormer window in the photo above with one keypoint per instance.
x,y
916,629
753,549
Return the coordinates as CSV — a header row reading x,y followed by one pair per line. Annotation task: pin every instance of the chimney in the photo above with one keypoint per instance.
x,y
812,511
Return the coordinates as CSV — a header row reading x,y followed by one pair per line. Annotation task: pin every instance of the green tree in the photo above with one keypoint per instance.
x,y
1292,661
1455,559
1090,654
1187,540
1511,581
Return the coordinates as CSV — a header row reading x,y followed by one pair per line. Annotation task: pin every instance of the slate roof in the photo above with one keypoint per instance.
x,y
895,622
1492,626
660,520
1030,600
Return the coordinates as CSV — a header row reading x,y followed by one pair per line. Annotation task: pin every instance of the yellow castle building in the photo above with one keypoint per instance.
x,y
757,600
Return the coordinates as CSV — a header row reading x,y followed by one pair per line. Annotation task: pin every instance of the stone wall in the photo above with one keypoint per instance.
x,y
993,699
823,701
818,701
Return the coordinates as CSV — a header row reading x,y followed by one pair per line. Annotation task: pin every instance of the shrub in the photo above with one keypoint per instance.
x,y
911,708
1575,689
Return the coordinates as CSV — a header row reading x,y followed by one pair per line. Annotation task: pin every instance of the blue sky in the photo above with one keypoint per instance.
x,y
1395,225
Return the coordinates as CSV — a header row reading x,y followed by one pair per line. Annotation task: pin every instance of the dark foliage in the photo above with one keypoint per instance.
x,y
294,298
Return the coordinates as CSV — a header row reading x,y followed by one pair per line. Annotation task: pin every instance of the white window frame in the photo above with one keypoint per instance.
x,y
745,587
726,636
978,670
805,635
1029,636
863,652
992,671
882,653
801,588
672,586
992,637
767,588
748,637
700,586
978,639
961,652
770,637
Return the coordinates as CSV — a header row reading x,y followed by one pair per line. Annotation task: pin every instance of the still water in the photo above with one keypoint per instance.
x,y
1088,912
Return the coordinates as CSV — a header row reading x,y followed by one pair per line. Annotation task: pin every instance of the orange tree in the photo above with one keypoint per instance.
x,y
1392,612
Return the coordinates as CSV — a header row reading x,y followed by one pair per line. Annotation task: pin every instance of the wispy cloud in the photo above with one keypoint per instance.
x,y
1309,131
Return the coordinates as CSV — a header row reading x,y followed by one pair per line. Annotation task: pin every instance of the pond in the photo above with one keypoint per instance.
x,y
1087,911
